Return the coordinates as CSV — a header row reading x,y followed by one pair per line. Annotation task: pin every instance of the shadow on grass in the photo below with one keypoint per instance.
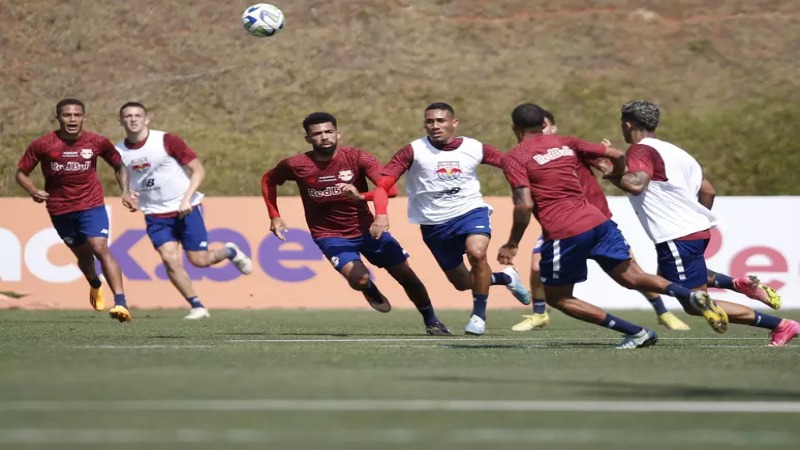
x,y
625,390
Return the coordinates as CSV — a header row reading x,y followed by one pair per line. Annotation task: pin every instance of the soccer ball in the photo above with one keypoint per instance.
x,y
263,20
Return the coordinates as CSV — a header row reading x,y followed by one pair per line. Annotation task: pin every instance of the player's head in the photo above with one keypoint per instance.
x,y
526,119
70,113
550,120
133,117
321,132
440,123
638,115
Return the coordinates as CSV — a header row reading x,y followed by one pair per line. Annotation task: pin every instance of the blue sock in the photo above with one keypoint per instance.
x,y
539,306
723,281
195,302
683,294
119,300
230,252
372,289
766,321
500,278
479,305
428,315
658,305
623,326
95,283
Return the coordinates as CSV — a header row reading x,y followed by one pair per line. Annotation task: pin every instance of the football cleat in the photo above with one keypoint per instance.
x,y
197,313
120,313
642,339
751,286
241,261
671,322
532,322
475,325
437,329
716,317
97,299
518,290
785,332
380,304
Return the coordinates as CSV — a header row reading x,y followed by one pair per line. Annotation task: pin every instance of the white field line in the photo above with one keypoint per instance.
x,y
575,436
765,407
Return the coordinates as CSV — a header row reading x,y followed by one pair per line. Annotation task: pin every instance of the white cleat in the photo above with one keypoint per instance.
x,y
642,339
476,326
197,313
241,261
518,290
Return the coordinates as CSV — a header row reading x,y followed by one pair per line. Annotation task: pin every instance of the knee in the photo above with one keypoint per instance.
x,y
198,259
99,247
172,260
359,283
461,285
476,256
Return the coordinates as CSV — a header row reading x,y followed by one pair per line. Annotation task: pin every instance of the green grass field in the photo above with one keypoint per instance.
x,y
337,379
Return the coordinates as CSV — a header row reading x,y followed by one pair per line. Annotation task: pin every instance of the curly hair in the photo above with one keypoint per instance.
x,y
641,113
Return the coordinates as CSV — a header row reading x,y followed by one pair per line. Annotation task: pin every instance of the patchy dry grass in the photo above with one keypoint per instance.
x,y
725,73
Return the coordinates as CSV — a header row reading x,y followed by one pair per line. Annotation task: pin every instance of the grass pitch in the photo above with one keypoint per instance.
x,y
359,379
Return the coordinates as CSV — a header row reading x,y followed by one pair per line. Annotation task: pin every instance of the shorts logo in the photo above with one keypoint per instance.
x,y
335,261
87,153
104,231
140,165
448,170
203,244
345,175
68,240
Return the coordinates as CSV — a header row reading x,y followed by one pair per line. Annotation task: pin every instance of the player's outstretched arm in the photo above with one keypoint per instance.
x,y
706,194
25,181
381,201
523,208
269,190
492,156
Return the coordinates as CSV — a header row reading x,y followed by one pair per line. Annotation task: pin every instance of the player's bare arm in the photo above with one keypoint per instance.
x,y
617,158
25,181
706,194
523,207
351,192
632,182
197,174
269,189
123,179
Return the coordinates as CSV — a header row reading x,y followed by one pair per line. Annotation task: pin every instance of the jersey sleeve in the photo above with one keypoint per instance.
x,y
281,173
515,172
400,162
593,149
492,156
641,158
109,152
29,159
370,166
178,149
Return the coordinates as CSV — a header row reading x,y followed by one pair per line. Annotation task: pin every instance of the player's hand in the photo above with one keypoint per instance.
x,y
185,208
278,227
39,196
607,143
507,253
130,201
379,226
350,191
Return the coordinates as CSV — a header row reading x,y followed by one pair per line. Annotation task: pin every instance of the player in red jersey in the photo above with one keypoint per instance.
x,y
74,196
333,185
541,172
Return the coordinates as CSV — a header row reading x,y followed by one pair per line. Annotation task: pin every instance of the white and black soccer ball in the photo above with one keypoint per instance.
x,y
263,20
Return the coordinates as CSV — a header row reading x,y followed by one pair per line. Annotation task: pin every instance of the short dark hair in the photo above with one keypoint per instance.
x,y
528,116
132,105
316,118
69,101
642,114
549,116
441,106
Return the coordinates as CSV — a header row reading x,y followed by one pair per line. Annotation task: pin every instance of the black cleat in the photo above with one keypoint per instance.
x,y
380,304
437,329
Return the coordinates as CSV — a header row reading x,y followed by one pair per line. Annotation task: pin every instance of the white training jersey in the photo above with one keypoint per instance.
x,y
443,185
156,176
669,209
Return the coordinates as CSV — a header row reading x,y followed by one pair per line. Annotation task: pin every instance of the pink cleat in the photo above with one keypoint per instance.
x,y
751,286
785,332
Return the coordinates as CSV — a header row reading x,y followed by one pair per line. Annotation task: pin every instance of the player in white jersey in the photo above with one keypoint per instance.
x,y
672,199
158,163
444,198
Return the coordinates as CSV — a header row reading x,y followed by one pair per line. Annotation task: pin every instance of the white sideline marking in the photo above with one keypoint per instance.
x,y
402,405
588,436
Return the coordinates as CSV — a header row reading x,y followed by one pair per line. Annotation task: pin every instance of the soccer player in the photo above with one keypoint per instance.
x,y
541,172
673,200
329,176
165,175
594,195
74,197
444,197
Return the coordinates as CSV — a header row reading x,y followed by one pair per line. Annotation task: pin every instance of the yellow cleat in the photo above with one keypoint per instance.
x,y
716,317
773,298
671,322
532,322
120,313
96,298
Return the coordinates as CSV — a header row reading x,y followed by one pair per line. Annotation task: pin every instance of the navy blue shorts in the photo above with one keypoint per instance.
x,y
564,260
383,252
683,262
537,248
76,227
448,241
190,230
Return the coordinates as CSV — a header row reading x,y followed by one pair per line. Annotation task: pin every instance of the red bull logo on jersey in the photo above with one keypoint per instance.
x,y
86,153
140,165
553,153
448,170
71,166
345,175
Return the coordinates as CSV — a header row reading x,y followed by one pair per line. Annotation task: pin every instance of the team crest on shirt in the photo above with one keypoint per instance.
x,y
448,170
86,153
140,165
346,175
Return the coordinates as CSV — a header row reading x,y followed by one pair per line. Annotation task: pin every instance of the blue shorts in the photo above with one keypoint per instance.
x,y
190,230
564,260
76,227
448,241
383,252
683,262
539,243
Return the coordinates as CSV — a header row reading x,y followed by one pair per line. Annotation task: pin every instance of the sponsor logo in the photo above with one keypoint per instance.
x,y
448,170
140,165
345,175
553,153
104,231
335,261
70,166
203,244
327,178
329,191
69,154
87,153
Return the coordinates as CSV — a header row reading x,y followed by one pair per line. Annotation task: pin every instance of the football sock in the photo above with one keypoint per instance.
x,y
539,306
95,283
623,326
119,300
372,289
723,281
500,278
683,294
195,302
766,321
658,305
428,315
479,302
230,252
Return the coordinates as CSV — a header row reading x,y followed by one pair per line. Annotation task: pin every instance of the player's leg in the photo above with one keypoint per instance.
x,y
387,253
665,318
194,238
68,228
344,255
748,285
539,317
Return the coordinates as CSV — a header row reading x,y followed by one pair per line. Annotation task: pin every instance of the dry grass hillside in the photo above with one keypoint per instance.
x,y
725,73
